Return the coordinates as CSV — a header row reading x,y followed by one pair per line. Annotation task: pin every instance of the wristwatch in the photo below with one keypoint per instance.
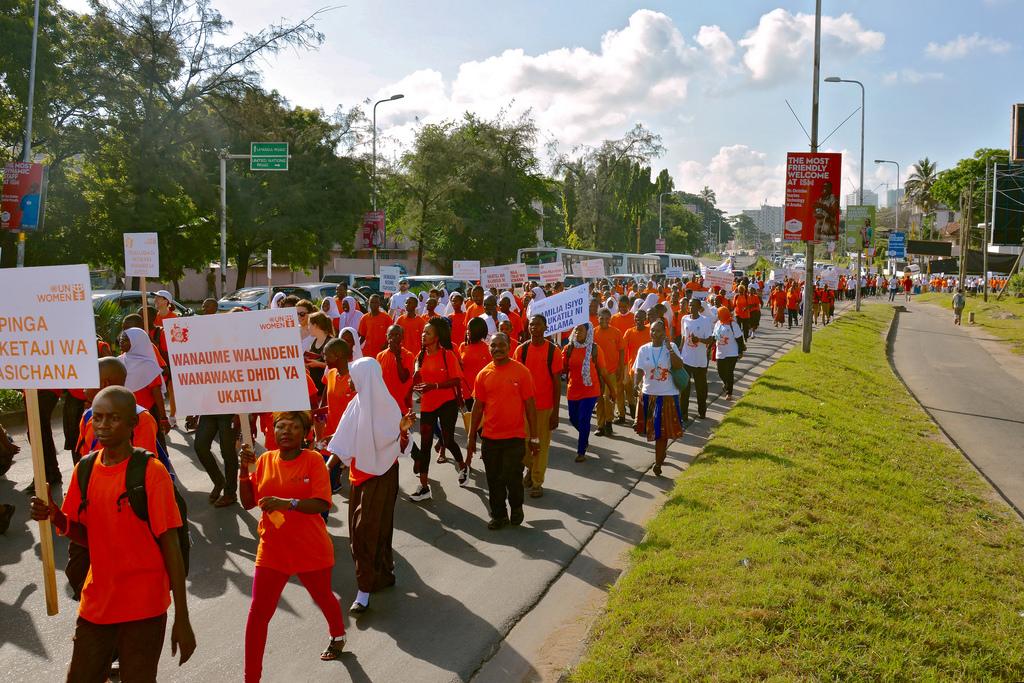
x,y
534,439
294,504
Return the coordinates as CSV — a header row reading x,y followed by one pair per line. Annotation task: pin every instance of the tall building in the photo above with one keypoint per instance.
x,y
893,196
768,219
870,198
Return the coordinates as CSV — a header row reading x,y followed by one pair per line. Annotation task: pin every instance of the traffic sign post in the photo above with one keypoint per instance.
x,y
898,244
268,156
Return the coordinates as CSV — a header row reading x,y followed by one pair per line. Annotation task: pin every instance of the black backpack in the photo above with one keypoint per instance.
x,y
135,493
551,354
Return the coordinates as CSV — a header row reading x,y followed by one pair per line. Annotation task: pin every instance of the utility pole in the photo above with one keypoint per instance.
x,y
27,157
988,215
809,261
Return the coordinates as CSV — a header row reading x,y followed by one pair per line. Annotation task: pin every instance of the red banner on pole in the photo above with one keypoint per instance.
x,y
373,233
21,202
812,196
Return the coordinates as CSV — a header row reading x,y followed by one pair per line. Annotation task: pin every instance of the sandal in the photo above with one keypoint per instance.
x,y
215,493
441,459
334,650
225,501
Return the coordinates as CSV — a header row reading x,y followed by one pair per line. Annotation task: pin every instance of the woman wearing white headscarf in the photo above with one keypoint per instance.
x,y
511,299
145,377
350,313
353,341
650,302
278,298
330,306
370,437
584,362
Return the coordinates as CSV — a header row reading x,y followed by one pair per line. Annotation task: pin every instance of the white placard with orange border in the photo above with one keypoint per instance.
x,y
141,254
550,273
248,362
496,277
47,329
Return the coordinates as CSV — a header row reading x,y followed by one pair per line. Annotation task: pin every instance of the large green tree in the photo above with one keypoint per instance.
x,y
953,183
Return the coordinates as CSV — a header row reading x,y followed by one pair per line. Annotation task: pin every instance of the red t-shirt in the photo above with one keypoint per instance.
x,y
504,390
574,365
475,357
437,367
374,331
412,340
399,390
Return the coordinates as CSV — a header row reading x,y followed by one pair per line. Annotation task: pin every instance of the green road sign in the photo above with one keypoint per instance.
x,y
268,156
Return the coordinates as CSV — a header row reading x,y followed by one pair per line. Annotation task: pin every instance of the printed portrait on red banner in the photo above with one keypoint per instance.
x,y
812,196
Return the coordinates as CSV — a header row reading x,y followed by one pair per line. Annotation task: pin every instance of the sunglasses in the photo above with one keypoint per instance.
x,y
303,314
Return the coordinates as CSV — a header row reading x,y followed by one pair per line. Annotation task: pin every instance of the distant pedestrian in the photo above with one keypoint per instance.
x,y
959,302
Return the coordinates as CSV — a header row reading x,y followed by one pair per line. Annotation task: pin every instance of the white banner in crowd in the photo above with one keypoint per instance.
x,y
518,273
389,277
237,363
466,270
141,254
564,311
592,268
830,278
551,273
713,277
496,277
47,329
674,272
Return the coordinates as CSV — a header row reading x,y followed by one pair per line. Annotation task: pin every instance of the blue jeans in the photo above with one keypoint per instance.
x,y
580,413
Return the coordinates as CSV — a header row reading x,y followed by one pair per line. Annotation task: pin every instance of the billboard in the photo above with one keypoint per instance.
x,y
373,232
812,196
1008,216
21,200
860,225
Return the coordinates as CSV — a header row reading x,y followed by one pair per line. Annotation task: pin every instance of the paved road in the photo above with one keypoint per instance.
x,y
972,386
460,587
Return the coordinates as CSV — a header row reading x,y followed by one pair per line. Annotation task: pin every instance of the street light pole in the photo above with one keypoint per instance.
x,y
860,191
809,265
897,227
373,187
27,156
661,232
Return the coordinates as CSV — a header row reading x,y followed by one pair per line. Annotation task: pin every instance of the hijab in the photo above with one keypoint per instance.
x,y
357,349
538,293
588,381
354,315
650,302
637,303
140,360
492,323
513,305
276,301
369,430
725,315
330,307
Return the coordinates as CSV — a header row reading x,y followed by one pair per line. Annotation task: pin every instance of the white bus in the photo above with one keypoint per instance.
x,y
635,264
684,261
533,257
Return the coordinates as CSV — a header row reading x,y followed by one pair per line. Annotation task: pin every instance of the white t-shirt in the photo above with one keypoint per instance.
x,y
398,300
696,354
725,336
657,366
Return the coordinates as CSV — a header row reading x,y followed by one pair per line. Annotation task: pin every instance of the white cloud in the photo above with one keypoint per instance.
x,y
962,45
742,177
911,77
781,45
580,95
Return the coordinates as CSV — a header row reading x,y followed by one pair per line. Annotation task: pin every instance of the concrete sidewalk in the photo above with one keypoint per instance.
x,y
971,384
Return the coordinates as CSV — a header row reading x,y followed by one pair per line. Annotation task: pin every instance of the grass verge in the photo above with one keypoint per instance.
x,y
1004,319
826,532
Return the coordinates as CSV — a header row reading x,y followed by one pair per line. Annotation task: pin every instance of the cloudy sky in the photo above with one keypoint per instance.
x,y
711,77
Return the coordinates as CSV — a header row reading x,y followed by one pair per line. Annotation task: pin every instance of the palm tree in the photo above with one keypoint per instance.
x,y
708,195
918,188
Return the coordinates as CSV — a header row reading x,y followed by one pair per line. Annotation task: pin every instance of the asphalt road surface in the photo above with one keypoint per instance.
x,y
972,386
460,587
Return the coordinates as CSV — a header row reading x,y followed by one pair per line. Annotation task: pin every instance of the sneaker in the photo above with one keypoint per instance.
x,y
496,524
608,429
464,477
421,493
620,420
536,491
516,518
580,457
657,470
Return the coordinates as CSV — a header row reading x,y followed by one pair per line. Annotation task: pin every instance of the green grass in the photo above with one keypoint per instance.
x,y
10,400
993,316
825,533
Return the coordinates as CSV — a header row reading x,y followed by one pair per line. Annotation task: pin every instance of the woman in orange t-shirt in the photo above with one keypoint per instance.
x,y
438,381
475,356
292,488
583,361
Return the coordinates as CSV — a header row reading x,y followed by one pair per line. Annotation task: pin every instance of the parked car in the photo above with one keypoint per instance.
x,y
424,283
255,298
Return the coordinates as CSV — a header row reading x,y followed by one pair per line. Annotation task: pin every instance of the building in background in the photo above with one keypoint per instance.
x,y
870,198
893,196
768,219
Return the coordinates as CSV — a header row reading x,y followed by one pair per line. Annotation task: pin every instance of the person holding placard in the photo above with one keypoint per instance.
x,y
658,416
541,357
292,488
371,435
126,595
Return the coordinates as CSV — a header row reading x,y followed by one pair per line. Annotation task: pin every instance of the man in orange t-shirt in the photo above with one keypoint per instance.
x,y
373,328
126,594
611,343
412,325
623,320
397,365
633,339
475,308
544,361
505,413
458,319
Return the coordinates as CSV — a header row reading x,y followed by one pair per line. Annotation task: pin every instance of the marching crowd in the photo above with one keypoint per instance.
x,y
429,362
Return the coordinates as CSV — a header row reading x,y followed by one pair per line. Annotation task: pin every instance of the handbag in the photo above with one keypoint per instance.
x,y
741,343
680,377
